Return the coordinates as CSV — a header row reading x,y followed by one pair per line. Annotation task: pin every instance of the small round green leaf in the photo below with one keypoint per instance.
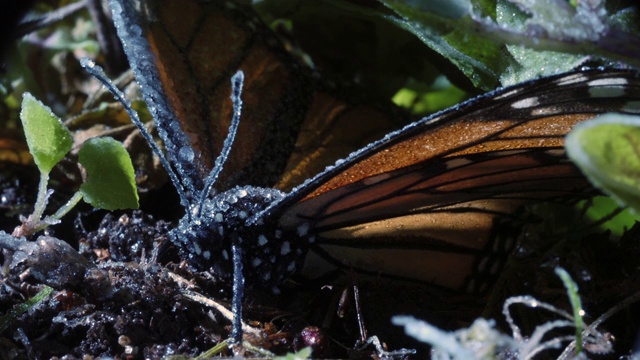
x,y
607,150
110,182
48,139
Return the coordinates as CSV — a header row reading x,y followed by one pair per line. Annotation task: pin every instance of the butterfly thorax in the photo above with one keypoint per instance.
x,y
270,254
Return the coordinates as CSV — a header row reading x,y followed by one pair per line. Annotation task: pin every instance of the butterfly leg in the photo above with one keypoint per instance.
x,y
238,287
366,340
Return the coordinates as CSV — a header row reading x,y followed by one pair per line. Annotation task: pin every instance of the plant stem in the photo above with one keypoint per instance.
x,y
75,199
53,219
41,201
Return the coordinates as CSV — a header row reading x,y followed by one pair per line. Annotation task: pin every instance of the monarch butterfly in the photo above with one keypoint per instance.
x,y
418,204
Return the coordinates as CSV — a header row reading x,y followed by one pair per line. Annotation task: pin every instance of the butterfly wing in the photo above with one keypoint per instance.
x,y
422,202
332,129
183,54
439,184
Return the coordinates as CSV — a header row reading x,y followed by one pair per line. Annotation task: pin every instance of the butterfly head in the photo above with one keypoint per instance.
x,y
271,254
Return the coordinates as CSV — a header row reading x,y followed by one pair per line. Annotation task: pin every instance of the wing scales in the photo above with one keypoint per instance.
x,y
430,194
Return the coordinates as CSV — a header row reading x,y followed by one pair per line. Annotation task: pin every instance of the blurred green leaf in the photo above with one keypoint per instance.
x,y
601,209
48,139
304,353
110,182
607,150
29,304
421,99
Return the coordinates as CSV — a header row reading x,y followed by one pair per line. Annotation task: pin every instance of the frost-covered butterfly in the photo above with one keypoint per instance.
x,y
419,204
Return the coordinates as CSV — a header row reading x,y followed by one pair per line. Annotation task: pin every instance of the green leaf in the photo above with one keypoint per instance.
x,y
599,208
479,58
509,41
110,182
304,353
48,139
530,63
576,304
13,314
422,99
607,150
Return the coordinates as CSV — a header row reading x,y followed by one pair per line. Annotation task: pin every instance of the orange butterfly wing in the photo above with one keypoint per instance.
x,y
194,47
333,128
197,46
422,203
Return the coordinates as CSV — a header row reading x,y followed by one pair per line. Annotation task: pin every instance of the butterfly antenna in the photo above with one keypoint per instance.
x,y
97,72
237,81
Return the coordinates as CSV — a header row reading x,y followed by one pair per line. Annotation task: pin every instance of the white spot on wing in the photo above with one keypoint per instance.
x,y
632,106
456,163
285,248
375,179
607,91
303,229
525,103
576,78
544,111
507,94
608,82
555,152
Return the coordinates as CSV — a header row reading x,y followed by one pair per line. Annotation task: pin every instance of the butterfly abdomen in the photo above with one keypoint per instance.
x,y
205,238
